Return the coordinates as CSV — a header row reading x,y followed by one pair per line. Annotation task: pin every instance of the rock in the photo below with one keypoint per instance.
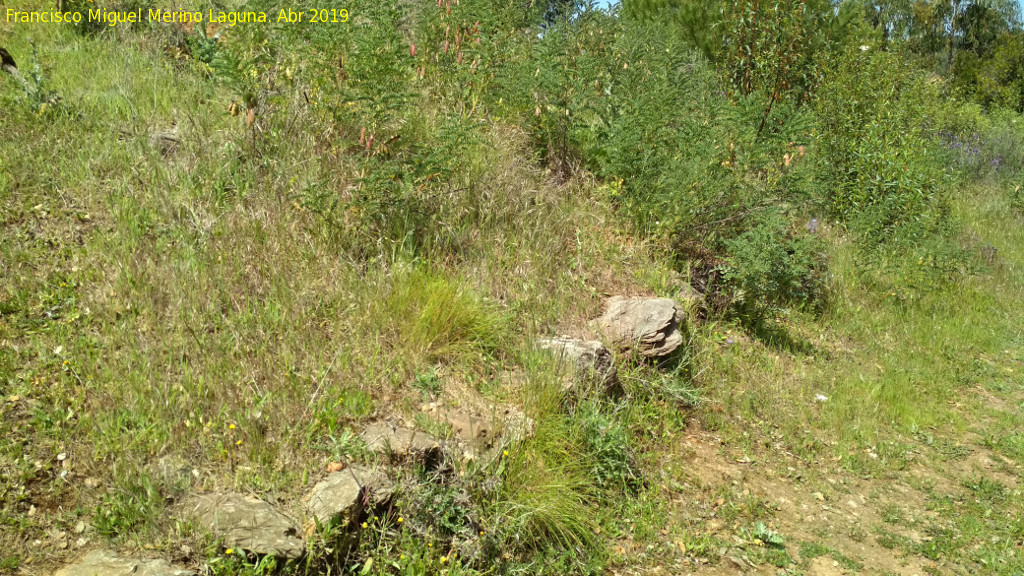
x,y
476,432
343,495
516,426
166,141
173,471
247,523
472,428
106,563
652,327
400,442
590,360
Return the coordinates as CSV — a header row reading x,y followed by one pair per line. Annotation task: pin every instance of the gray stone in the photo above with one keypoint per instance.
x,y
343,495
172,471
106,563
651,327
166,141
477,431
247,523
590,360
399,441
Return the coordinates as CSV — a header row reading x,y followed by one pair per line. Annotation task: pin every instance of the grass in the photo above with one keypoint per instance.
x,y
207,306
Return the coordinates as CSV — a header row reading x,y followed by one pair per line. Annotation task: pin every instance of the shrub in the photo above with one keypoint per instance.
x,y
875,155
768,266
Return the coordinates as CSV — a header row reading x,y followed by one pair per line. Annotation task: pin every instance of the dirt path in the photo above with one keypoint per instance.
x,y
835,522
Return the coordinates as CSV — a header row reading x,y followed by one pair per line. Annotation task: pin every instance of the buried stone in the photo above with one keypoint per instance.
x,y
590,361
108,563
400,442
651,327
247,523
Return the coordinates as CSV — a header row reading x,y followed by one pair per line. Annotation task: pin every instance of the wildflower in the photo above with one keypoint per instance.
x,y
365,525
412,50
400,520
444,559
238,443
229,551
231,426
504,452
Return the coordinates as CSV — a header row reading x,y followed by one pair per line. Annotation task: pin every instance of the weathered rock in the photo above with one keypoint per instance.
x,y
247,523
651,327
107,563
472,428
343,495
515,425
172,471
399,441
166,141
590,361
477,431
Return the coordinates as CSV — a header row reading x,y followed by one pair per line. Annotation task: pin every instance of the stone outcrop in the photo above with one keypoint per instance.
x,y
400,442
342,496
651,327
589,360
247,523
107,563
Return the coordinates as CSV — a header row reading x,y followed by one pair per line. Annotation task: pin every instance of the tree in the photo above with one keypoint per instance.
x,y
1001,80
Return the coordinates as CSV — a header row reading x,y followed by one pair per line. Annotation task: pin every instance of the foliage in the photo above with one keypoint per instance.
x,y
607,442
37,94
874,148
769,266
130,509
1001,80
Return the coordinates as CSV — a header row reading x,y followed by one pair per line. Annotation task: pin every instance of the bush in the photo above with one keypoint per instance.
x,y
876,158
982,145
768,267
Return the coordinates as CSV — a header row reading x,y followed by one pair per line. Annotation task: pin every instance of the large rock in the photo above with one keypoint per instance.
x,y
344,495
247,523
106,563
590,361
400,442
651,327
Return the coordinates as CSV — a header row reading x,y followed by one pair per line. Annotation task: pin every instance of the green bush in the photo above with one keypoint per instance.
x,y
876,158
768,266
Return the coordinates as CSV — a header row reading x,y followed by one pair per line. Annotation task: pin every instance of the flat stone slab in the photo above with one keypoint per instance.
x,y
651,327
400,441
343,495
248,523
107,563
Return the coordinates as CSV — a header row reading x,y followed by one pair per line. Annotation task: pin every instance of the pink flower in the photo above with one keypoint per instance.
x,y
412,50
